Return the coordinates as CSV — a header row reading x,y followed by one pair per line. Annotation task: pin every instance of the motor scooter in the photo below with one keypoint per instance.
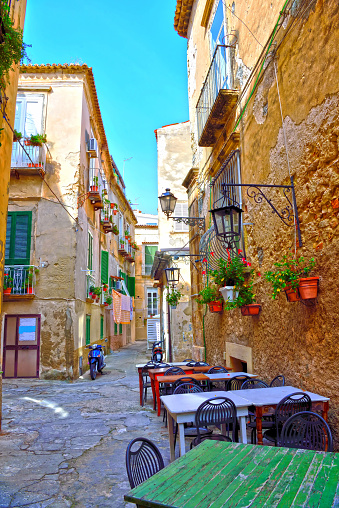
x,y
157,352
96,359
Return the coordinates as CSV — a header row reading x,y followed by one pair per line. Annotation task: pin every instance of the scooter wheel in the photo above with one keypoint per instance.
x,y
93,370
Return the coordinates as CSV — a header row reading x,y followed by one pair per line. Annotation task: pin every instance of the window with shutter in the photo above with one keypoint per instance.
x,y
88,329
131,286
181,210
152,302
104,267
101,327
150,251
90,252
18,238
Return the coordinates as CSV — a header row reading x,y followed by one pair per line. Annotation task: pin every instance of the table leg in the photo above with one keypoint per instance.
x,y
324,411
140,387
181,431
157,391
170,427
258,420
243,433
153,393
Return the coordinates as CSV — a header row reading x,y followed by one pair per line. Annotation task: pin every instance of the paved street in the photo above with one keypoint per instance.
x,y
63,444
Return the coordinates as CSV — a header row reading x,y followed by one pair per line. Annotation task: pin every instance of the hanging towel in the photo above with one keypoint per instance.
x,y
125,309
116,306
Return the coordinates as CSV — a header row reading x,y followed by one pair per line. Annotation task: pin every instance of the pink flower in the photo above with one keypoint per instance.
x,y
243,260
248,264
259,274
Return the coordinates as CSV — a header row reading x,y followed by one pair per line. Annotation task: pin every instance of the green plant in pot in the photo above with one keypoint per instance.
x,y
211,296
8,283
37,139
16,135
292,275
173,297
246,300
108,300
230,276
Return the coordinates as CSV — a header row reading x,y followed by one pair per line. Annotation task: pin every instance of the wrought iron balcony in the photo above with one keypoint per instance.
x,y
216,99
28,159
19,281
96,187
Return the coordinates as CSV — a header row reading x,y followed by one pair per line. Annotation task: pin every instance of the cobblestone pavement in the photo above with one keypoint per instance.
x,y
63,444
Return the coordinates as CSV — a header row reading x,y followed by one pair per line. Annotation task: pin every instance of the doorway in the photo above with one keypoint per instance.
x,y
21,346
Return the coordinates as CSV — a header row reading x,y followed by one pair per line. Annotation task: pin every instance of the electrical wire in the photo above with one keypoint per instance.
x,y
243,22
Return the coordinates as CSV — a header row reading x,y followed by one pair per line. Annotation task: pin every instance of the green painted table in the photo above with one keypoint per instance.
x,y
217,474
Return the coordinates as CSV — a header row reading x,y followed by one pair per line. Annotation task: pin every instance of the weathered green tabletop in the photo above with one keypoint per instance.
x,y
217,474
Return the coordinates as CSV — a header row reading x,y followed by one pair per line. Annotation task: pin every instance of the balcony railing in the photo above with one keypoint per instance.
x,y
20,279
31,159
90,281
217,79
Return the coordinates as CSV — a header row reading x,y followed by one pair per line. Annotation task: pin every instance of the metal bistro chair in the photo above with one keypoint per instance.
x,y
236,382
308,431
146,382
185,380
143,460
218,369
288,406
253,383
167,389
278,381
219,411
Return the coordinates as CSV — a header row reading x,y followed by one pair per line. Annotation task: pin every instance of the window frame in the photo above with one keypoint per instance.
x,y
11,260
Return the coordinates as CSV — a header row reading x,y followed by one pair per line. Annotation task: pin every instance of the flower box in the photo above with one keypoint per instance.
x,y
229,293
7,291
215,306
252,309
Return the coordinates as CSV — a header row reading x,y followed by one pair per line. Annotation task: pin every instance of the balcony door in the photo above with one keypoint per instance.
x,y
218,38
21,351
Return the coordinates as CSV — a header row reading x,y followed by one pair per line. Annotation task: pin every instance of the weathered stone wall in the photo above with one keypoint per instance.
x,y
298,341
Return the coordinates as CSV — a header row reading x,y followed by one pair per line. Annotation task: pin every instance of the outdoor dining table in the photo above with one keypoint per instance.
x,y
221,474
226,376
140,366
265,401
181,408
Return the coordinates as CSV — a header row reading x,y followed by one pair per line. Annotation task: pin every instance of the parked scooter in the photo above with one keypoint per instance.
x,y
96,359
157,352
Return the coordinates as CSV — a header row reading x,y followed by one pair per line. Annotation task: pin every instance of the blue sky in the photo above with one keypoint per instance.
x,y
139,66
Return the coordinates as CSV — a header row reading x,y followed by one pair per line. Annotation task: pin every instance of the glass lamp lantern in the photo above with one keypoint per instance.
x,y
167,202
227,223
172,275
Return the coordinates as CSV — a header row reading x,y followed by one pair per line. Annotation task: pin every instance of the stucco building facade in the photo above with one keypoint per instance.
x,y
263,93
68,218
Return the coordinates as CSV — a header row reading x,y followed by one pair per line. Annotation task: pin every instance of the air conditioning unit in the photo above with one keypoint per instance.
x,y
92,148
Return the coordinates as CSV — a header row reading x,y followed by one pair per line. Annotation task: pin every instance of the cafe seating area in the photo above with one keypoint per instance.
x,y
211,407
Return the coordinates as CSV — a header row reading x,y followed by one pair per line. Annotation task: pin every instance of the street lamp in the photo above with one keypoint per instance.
x,y
167,202
172,275
227,223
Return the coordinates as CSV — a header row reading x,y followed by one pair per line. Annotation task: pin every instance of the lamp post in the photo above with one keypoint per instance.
x,y
168,202
227,223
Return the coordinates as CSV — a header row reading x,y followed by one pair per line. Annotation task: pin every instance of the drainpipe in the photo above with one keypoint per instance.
x,y
169,334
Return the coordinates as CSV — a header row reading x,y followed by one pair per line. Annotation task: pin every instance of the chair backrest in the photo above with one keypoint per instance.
x,y
201,364
288,406
236,382
253,383
217,411
185,379
162,365
217,369
278,381
191,363
306,430
189,360
173,371
187,388
143,460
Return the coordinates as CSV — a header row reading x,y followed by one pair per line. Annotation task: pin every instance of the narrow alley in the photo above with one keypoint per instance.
x,y
63,444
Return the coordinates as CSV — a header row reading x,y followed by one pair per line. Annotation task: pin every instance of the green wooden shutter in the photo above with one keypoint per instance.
x,y
104,267
101,327
18,238
125,277
131,286
115,329
90,252
120,328
88,330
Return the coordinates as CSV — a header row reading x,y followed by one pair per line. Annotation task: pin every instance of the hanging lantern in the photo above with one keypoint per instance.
x,y
167,202
227,223
172,275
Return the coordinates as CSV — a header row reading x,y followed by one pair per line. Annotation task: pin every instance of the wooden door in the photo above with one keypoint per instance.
x,y
21,346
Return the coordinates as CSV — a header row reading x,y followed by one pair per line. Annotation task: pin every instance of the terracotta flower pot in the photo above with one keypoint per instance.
x,y
252,309
215,306
7,291
115,212
308,287
94,188
292,295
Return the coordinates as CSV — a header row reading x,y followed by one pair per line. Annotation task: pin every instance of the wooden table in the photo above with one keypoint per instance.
x,y
181,408
157,378
219,474
265,400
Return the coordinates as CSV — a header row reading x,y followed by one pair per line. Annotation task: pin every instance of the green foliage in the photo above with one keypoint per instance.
x,y
245,297
173,297
95,290
109,300
230,272
38,139
8,281
17,135
115,229
209,294
12,47
288,272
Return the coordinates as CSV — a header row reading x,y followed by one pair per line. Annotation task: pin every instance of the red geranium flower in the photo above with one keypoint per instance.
x,y
204,260
204,272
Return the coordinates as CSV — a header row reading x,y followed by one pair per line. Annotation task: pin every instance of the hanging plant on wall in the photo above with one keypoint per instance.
x,y
211,296
173,297
12,47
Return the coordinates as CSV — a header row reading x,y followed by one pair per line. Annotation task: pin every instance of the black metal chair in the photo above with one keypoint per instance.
x,y
183,380
236,382
278,381
218,369
186,387
174,371
287,407
143,460
162,365
191,363
146,382
308,431
219,411
253,383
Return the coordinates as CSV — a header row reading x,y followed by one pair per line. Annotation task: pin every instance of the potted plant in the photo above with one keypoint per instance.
x,y
105,287
37,139
230,275
8,284
16,135
211,296
108,301
115,229
246,300
28,284
94,187
122,243
127,234
291,275
173,297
